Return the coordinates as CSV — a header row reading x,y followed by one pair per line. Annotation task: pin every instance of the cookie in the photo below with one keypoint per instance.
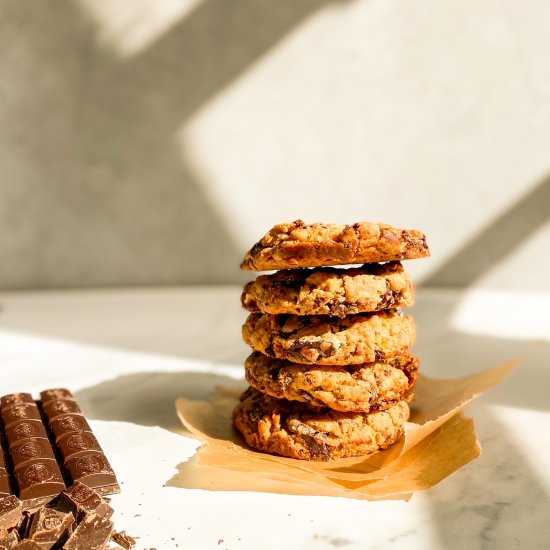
x,y
288,428
296,244
324,340
330,291
359,388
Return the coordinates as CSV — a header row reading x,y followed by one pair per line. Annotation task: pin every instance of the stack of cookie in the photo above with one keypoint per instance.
x,y
331,375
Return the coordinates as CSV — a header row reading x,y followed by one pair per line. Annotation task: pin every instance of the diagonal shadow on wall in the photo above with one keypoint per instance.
x,y
95,166
494,243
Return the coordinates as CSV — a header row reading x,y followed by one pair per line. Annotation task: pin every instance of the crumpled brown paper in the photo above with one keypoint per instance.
x,y
438,440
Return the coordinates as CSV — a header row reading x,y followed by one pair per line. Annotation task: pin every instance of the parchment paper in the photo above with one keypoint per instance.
x,y
438,440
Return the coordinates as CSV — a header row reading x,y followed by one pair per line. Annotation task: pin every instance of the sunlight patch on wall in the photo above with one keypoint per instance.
x,y
130,26
392,114
519,315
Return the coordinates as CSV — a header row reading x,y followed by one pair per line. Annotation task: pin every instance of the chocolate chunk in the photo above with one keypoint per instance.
x,y
5,488
82,500
62,406
17,413
27,545
38,480
75,444
49,527
15,399
9,540
123,539
29,449
54,394
24,430
318,448
92,533
67,423
93,470
11,510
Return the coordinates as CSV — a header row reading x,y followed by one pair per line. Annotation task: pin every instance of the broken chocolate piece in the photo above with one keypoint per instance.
x,y
92,533
82,500
27,545
11,510
5,489
49,527
123,539
9,540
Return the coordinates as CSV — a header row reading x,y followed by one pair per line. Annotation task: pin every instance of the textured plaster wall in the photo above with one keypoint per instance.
x,y
146,142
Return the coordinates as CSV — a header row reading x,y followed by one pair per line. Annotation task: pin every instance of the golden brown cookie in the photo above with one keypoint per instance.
x,y
359,388
296,244
324,340
330,291
287,428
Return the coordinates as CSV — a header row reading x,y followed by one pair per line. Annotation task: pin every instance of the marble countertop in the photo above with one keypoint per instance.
x,y
129,353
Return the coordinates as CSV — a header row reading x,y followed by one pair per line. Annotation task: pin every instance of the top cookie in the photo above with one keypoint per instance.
x,y
296,244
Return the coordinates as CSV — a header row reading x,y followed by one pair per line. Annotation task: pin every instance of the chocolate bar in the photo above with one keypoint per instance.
x,y
35,470
44,444
83,457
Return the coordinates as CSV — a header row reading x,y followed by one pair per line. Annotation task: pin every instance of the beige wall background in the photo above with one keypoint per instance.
x,y
152,142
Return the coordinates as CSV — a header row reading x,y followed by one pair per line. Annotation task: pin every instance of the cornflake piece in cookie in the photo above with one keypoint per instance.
x,y
297,244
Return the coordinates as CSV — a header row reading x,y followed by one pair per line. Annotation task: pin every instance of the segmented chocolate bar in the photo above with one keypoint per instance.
x,y
83,458
47,443
35,472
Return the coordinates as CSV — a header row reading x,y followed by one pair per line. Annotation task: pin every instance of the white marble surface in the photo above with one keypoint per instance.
x,y
128,354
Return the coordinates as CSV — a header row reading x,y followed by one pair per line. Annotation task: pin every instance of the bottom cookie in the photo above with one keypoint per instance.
x,y
294,430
